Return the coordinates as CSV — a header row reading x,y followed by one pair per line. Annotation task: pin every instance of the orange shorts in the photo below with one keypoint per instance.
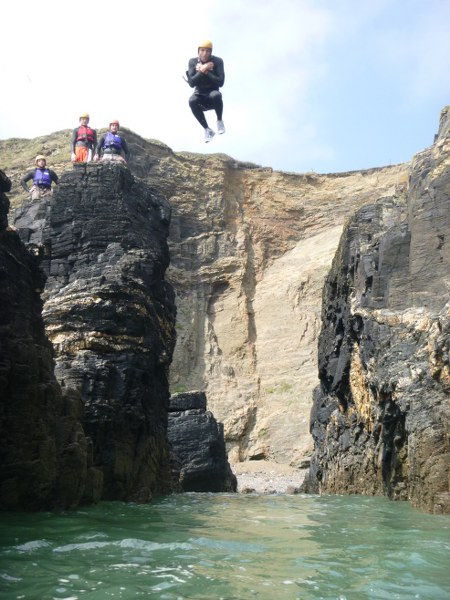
x,y
81,154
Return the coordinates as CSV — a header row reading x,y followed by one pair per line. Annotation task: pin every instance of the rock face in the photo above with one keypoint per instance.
x,y
198,453
380,419
110,316
250,249
45,457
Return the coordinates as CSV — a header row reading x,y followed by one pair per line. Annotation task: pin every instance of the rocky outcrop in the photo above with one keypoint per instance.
x,y
250,249
198,454
45,456
380,419
110,316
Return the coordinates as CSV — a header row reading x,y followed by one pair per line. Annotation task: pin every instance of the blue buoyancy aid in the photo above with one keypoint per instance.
x,y
42,178
112,142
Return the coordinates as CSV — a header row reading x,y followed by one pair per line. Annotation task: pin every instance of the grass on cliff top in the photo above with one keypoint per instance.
x,y
17,156
21,152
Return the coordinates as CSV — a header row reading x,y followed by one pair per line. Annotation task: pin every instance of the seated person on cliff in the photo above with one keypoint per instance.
x,y
83,142
206,74
112,146
42,178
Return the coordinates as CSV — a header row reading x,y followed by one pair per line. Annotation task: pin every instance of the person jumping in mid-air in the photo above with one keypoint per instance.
x,y
206,74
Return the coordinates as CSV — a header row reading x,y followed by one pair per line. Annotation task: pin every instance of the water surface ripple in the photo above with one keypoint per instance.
x,y
228,546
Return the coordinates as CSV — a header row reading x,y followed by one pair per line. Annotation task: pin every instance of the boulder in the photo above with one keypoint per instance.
x,y
198,454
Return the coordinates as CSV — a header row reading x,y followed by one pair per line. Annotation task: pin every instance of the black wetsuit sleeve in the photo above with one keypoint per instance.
x,y
193,76
100,144
27,177
5,182
73,141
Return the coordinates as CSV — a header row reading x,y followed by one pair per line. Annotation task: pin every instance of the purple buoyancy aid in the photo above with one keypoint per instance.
x,y
112,142
42,178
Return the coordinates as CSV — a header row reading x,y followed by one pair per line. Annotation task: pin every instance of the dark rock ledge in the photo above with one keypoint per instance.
x,y
381,416
198,454
87,330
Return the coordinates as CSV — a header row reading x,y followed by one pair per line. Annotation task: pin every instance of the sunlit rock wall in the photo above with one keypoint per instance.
x,y
250,250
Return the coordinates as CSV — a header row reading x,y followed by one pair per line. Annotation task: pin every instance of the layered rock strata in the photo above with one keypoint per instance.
x,y
250,249
46,460
381,416
110,316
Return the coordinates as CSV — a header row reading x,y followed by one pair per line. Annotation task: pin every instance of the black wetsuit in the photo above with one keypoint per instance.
x,y
5,186
206,95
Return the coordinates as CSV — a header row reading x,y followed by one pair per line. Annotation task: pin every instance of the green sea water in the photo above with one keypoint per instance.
x,y
228,546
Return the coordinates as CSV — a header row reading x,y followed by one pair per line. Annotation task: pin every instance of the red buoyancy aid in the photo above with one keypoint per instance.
x,y
85,134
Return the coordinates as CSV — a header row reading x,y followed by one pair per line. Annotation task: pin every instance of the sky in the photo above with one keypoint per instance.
x,y
310,85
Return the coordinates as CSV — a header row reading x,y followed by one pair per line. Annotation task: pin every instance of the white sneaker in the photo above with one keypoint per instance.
x,y
209,134
220,127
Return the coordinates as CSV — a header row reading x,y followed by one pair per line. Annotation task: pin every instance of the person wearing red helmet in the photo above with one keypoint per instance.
x,y
206,74
112,146
83,142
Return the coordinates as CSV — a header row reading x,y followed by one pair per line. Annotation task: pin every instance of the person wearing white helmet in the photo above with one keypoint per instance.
x,y
112,146
83,142
42,177
206,74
